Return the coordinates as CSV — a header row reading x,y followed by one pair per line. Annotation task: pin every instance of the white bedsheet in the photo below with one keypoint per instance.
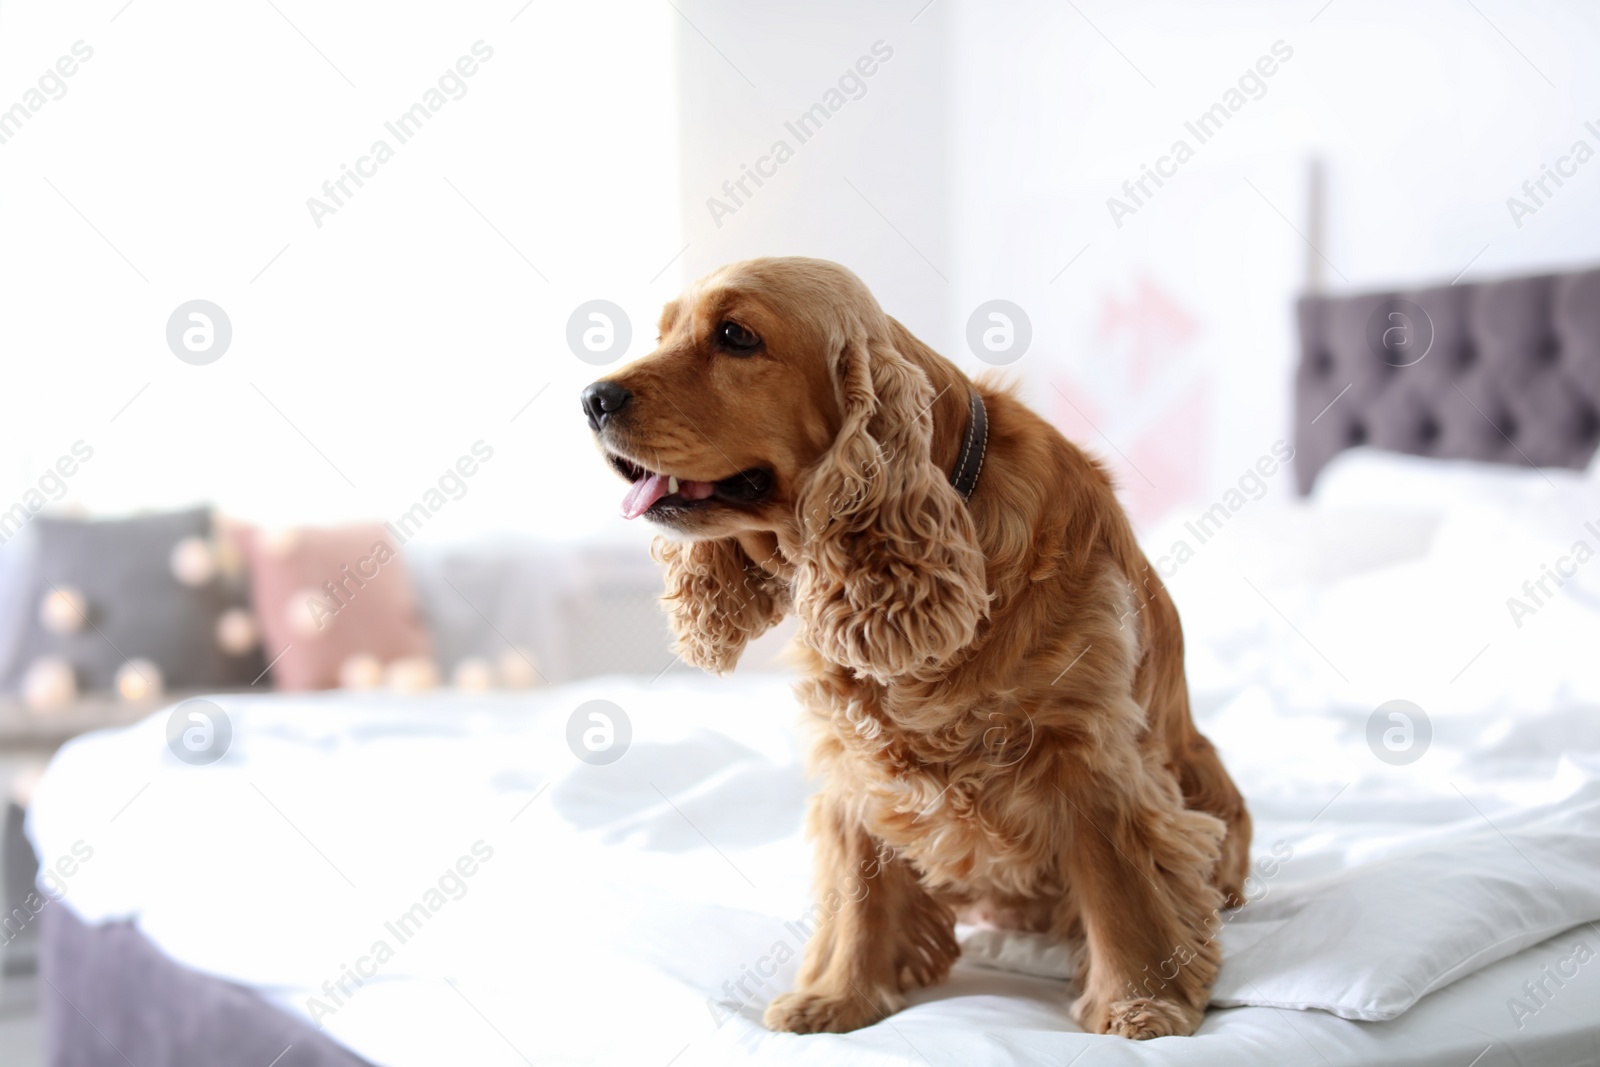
x,y
623,905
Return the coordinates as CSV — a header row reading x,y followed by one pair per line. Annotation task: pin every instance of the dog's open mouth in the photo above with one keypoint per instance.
x,y
661,494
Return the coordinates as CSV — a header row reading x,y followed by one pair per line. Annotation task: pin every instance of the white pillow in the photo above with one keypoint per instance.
x,y
1283,541
1373,478
1370,941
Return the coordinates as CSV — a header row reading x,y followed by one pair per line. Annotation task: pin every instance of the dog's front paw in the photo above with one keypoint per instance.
x,y
1138,1018
826,1013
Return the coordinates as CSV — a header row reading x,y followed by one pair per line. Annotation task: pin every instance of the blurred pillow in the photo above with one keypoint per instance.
x,y
1503,613
152,588
1373,478
497,603
1288,542
1486,511
1538,533
327,596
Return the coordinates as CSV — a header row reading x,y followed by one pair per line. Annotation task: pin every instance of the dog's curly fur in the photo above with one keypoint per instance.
x,y
994,689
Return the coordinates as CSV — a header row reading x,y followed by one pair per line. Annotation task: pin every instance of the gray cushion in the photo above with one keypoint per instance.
x,y
1512,374
578,611
16,578
137,607
111,998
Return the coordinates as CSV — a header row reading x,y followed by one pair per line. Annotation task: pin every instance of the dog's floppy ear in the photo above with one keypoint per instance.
x,y
889,578
717,600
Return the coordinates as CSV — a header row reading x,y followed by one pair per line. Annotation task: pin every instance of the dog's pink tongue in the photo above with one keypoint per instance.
x,y
643,494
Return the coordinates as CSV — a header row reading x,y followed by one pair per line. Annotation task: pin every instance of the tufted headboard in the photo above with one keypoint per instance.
x,y
1506,371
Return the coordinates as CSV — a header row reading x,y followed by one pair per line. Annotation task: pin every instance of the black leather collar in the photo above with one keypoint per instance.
x,y
964,479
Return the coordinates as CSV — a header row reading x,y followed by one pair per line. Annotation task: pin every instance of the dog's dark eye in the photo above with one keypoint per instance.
x,y
737,338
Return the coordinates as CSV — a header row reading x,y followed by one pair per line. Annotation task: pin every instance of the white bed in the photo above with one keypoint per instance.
x,y
623,905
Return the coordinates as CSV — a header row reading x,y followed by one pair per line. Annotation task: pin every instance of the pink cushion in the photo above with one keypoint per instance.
x,y
324,595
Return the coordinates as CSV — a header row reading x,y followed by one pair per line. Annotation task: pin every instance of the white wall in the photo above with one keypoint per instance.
x,y
870,189
981,154
391,338
997,133
1427,118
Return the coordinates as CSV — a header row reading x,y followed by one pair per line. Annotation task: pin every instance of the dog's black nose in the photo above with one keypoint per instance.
x,y
603,399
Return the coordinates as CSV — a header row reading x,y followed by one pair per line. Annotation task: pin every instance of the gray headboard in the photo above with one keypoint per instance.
x,y
1506,371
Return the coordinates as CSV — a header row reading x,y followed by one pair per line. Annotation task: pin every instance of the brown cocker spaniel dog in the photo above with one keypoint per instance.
x,y
994,686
